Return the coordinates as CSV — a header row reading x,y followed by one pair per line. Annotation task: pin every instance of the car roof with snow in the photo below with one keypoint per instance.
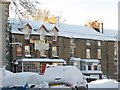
x,y
23,78
70,74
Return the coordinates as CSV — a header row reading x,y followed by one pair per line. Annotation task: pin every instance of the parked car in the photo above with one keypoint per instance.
x,y
69,76
24,80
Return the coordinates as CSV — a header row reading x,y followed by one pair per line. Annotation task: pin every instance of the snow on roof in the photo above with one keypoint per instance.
x,y
78,31
104,83
90,60
74,58
43,60
91,71
67,30
91,76
110,32
68,74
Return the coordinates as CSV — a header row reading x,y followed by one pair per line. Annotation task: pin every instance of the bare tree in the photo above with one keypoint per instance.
x,y
28,9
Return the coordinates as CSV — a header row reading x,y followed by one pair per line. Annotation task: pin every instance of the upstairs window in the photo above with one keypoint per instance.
x,y
99,43
27,30
43,53
27,51
88,42
54,32
72,47
54,52
99,53
42,32
87,53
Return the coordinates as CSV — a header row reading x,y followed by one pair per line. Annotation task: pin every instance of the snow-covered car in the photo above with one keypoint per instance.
x,y
24,79
68,76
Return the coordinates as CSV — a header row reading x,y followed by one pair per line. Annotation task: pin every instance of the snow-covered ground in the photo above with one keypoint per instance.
x,y
104,83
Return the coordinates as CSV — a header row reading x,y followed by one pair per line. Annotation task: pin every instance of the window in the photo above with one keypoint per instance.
x,y
99,53
99,43
54,51
72,50
27,31
18,50
30,67
115,52
116,67
54,38
115,44
72,41
43,53
27,51
87,42
26,36
42,33
95,67
87,53
89,67
54,33
72,46
82,66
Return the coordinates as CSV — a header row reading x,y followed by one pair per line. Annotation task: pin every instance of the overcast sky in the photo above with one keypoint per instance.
x,y
77,11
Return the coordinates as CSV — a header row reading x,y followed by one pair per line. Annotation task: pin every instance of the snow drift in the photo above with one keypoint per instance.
x,y
104,83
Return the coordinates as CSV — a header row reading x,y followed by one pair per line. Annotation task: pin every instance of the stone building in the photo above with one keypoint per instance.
x,y
4,14
34,39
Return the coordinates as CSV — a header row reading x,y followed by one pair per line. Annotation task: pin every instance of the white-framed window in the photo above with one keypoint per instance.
x,y
72,46
27,31
115,52
54,38
116,66
72,51
88,42
95,67
87,53
99,43
43,53
116,57
89,64
99,53
42,33
115,44
27,51
54,33
72,41
26,36
54,51
83,66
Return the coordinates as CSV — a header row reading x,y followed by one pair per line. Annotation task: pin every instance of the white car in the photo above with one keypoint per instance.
x,y
68,76
24,79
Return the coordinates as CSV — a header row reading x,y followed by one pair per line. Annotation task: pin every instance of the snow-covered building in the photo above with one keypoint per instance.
x,y
90,68
35,39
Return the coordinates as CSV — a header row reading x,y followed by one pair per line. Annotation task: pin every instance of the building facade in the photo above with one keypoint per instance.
x,y
48,41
